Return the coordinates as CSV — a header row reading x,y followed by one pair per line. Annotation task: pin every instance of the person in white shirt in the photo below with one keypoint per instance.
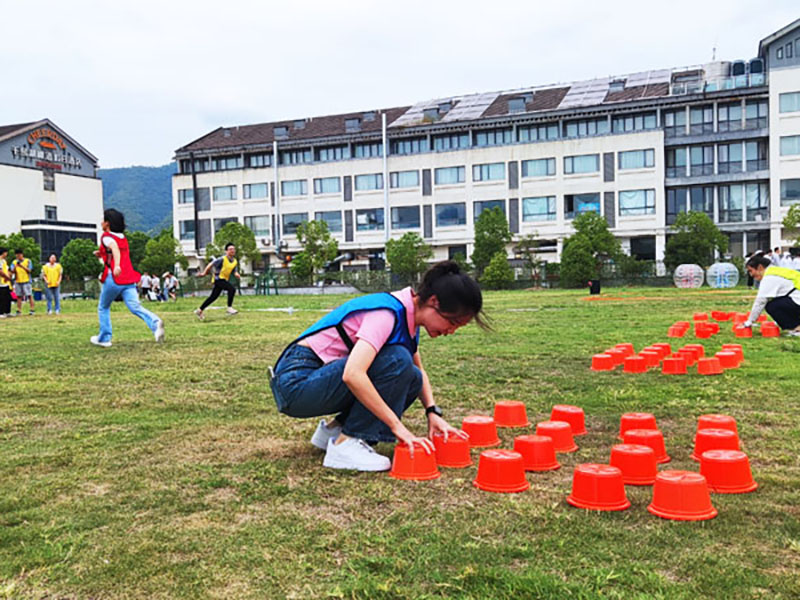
x,y
144,285
778,294
155,286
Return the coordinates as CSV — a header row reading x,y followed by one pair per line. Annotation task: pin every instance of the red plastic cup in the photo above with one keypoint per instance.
x,y
637,463
538,452
674,365
727,471
602,362
420,467
700,316
717,422
652,358
740,317
570,414
627,348
636,420
689,355
598,487
676,332
714,439
510,413
560,432
719,315
652,438
664,348
635,364
618,356
742,332
770,330
736,349
482,431
709,366
761,319
501,471
727,360
714,327
702,331
681,496
683,324
453,453
700,350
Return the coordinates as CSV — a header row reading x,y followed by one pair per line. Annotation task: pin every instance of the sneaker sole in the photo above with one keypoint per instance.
x,y
338,464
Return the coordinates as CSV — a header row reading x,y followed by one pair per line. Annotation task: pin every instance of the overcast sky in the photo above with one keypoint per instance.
x,y
133,81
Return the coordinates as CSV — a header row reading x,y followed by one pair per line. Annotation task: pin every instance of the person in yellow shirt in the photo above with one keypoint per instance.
x,y
22,268
224,267
52,273
5,285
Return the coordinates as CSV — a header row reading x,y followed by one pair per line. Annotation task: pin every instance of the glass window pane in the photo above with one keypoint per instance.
x,y
448,215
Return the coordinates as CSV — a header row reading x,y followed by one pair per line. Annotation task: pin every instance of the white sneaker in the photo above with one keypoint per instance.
x,y
199,314
49,312
354,454
159,333
323,434
231,311
96,341
793,333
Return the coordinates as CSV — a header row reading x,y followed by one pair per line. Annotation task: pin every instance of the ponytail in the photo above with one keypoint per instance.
x,y
457,292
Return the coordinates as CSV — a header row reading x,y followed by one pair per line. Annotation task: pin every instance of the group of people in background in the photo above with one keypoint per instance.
x,y
16,283
158,290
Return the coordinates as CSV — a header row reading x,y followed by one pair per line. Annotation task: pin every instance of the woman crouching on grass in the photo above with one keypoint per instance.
x,y
362,362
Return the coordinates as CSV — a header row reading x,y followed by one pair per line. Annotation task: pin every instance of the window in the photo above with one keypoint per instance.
x,y
404,179
251,191
756,197
479,206
701,120
299,124
576,204
790,191
755,114
409,146
729,158
373,181
730,203
636,159
369,116
541,208
676,162
674,122
586,163
281,132
259,160
696,198
327,185
756,155
701,160
450,142
454,251
200,165
186,196
369,150
492,137
369,219
226,163
790,145
186,229
295,157
292,221
789,102
540,167
586,127
48,180
259,225
220,223
636,122
448,175
185,165
405,217
789,50
729,117
537,133
779,53
332,217
225,193
637,202
489,172
449,215
516,105
50,213
295,187
352,125
332,153
676,203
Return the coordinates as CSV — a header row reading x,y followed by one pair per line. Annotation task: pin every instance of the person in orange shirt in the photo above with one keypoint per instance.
x,y
52,273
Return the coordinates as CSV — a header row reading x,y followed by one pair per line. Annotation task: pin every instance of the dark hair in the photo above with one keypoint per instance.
x,y
3,249
116,220
19,251
758,260
229,244
457,292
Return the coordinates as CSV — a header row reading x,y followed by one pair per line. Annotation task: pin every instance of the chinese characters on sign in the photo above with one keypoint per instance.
x,y
55,159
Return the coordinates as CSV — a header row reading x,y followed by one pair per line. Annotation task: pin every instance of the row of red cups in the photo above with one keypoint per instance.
x,y
655,355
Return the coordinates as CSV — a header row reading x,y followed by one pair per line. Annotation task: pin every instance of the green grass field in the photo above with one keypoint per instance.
x,y
145,471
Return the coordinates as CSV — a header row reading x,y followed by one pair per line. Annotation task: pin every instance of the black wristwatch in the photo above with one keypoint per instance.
x,y
433,409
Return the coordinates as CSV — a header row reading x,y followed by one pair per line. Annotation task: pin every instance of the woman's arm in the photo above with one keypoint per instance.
x,y
112,245
436,424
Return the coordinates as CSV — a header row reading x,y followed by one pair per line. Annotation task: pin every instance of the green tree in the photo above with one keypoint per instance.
x,y
28,245
498,274
696,240
137,242
318,245
162,253
792,221
301,266
78,259
527,249
238,235
578,262
491,237
408,256
595,229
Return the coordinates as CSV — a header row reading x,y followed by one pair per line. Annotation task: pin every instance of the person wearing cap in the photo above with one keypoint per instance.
x,y
778,294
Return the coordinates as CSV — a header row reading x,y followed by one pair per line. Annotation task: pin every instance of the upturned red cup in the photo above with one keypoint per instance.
x,y
689,355
636,420
714,439
727,471
740,317
482,431
602,362
742,332
770,330
573,415
681,496
736,349
683,324
420,467
699,348
510,413
700,316
637,463
618,356
635,364
727,360
452,453
664,348
652,358
709,366
714,421
719,315
561,434
501,471
538,452
714,327
598,487
627,348
652,438
676,332
702,331
674,365
761,319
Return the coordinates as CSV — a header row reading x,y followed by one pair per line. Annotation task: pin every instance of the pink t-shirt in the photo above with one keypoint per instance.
x,y
372,326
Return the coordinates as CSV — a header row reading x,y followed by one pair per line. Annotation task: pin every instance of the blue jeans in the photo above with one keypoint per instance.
x,y
110,292
305,387
53,294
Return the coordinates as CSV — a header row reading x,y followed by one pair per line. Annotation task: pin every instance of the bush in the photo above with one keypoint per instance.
x,y
578,263
28,245
301,267
696,240
78,259
498,275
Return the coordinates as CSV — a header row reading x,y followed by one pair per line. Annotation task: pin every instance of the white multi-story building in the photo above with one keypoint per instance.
x,y
49,186
722,138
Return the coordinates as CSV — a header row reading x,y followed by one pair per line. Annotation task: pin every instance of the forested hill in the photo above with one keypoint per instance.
x,y
142,194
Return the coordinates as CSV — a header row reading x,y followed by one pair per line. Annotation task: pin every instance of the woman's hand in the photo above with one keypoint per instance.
x,y
409,439
117,271
437,424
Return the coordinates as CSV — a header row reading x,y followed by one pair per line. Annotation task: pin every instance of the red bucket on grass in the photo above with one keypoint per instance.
x,y
510,413
570,414
676,332
482,431
627,348
689,355
652,358
699,349
674,365
727,471
714,439
602,362
727,360
598,487
617,355
561,434
714,421
501,471
770,330
742,332
636,420
420,467
709,366
700,316
664,348
453,453
714,328
681,496
652,438
635,364
538,452
761,319
637,463
702,330
719,315
736,349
